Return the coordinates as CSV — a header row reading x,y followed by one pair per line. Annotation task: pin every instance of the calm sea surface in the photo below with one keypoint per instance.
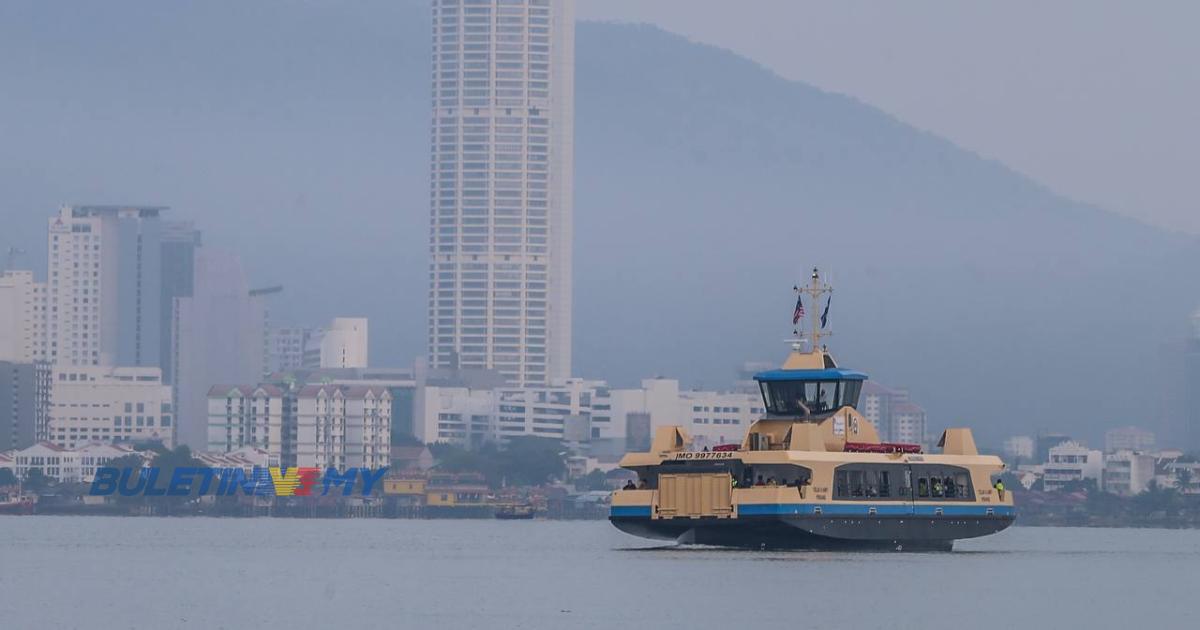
x,y
95,572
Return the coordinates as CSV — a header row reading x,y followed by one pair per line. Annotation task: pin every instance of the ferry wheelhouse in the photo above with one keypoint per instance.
x,y
813,473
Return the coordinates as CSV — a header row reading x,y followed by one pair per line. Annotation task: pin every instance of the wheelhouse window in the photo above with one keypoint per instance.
x,y
809,398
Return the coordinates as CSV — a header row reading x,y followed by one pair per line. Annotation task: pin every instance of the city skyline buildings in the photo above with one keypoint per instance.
x,y
105,289
502,161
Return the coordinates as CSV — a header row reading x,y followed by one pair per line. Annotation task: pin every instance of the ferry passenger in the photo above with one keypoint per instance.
x,y
771,481
759,482
937,487
629,485
1000,489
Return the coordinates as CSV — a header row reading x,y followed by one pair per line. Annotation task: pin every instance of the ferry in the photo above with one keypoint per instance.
x,y
812,472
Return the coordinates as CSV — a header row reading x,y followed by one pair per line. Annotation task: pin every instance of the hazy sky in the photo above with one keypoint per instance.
x,y
1099,99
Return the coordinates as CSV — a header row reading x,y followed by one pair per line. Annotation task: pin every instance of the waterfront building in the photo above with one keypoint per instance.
x,y
70,465
108,405
328,417
1127,472
455,414
23,312
1069,463
1128,439
8,460
501,191
261,417
343,426
342,345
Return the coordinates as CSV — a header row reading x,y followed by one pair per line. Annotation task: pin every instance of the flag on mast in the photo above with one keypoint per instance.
x,y
825,313
799,312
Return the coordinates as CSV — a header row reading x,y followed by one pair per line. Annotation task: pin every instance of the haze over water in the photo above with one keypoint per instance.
x,y
62,572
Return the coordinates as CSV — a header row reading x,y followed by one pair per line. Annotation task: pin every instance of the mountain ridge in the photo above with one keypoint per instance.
x,y
706,185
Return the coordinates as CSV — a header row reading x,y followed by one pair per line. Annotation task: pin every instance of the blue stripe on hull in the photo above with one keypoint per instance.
x,y
835,509
630,511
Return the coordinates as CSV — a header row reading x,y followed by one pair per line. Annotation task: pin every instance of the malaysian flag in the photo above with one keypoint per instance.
x,y
799,312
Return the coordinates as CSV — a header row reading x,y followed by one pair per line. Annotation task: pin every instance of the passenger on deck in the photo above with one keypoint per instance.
x,y
1000,489
951,489
759,481
937,487
629,485
771,481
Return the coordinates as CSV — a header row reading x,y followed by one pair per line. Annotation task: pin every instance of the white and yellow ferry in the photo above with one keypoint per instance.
x,y
813,473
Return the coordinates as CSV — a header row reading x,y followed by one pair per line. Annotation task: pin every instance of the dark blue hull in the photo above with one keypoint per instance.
x,y
908,532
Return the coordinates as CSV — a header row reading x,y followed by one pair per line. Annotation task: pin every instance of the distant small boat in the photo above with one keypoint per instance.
x,y
16,504
514,512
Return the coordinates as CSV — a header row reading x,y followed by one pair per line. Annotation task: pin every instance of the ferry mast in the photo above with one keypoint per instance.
x,y
815,289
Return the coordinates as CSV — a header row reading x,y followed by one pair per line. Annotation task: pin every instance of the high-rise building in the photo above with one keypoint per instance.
x,y
19,391
105,286
218,337
180,244
501,189
1192,387
22,317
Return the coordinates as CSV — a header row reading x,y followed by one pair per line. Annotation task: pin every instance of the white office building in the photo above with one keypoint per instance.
x,y
22,317
342,345
105,286
107,405
1128,472
1071,462
501,191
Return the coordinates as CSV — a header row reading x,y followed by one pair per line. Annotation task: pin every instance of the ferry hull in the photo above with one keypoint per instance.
x,y
912,533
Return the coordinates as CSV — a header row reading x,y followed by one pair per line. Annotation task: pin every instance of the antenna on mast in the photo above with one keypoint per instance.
x,y
815,289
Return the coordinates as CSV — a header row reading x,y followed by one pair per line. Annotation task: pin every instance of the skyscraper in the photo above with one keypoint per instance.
x,y
1192,387
501,189
105,285
180,242
218,334
22,317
